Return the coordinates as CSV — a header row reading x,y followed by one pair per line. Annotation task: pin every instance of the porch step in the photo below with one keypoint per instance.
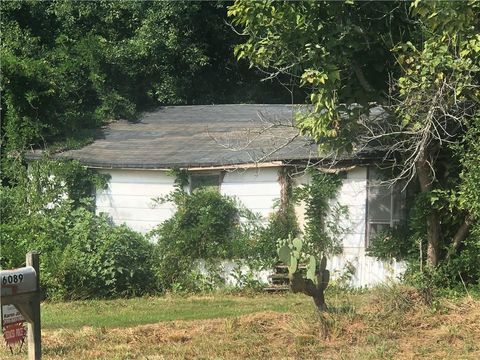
x,y
285,267
279,277
276,288
279,281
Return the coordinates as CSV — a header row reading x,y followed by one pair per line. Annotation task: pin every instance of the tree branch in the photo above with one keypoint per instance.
x,y
361,77
461,233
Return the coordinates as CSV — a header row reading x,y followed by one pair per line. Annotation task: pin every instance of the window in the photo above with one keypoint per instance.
x,y
385,204
204,180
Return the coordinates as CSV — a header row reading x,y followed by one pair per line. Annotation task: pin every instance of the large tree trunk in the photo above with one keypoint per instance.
x,y
433,220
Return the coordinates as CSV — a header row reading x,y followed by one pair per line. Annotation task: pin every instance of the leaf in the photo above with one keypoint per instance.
x,y
292,268
297,244
312,269
284,254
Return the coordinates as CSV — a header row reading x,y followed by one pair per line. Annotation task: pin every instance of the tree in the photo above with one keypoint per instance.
x,y
438,99
69,66
421,65
336,52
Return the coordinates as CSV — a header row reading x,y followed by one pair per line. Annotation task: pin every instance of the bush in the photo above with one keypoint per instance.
x,y
281,225
207,226
323,229
464,267
45,208
35,209
104,261
393,243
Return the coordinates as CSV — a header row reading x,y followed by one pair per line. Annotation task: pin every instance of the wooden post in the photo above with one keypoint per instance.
x,y
34,336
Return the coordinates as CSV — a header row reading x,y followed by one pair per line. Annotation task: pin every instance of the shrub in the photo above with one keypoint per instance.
x,y
207,226
45,208
281,225
104,261
324,217
393,243
35,216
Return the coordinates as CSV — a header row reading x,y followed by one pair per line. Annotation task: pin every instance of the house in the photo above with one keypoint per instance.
x,y
241,149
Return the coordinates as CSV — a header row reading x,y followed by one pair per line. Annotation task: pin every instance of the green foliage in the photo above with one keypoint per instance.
x,y
322,237
393,243
468,196
206,226
442,68
104,261
457,272
68,66
315,280
424,54
281,225
36,207
27,227
322,231
47,208
439,99
336,52
290,253
463,267
323,227
245,279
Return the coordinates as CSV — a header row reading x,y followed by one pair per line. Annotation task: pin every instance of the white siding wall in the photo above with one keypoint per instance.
x,y
128,198
368,271
257,189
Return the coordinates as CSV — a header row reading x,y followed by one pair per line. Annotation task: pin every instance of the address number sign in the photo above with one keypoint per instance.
x,y
18,281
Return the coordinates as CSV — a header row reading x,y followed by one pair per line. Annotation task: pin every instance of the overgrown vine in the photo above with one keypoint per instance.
x,y
323,227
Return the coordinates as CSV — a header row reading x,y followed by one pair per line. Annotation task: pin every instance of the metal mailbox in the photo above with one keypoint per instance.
x,y
20,302
18,281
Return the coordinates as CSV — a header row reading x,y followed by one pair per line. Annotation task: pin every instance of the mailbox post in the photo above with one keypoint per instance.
x,y
21,287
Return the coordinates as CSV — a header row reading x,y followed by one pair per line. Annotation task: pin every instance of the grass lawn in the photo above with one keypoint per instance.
x,y
150,310
379,324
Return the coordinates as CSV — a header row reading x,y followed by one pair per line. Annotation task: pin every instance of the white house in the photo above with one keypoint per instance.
x,y
239,148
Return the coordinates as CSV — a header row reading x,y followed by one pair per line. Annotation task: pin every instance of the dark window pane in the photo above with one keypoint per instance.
x,y
386,204
375,228
379,203
204,181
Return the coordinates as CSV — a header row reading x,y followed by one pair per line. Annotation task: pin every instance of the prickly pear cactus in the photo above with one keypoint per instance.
x,y
323,275
289,253
317,277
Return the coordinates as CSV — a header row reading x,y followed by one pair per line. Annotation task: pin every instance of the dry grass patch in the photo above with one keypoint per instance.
x,y
373,325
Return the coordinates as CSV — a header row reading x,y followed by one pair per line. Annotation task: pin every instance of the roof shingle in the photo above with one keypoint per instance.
x,y
199,136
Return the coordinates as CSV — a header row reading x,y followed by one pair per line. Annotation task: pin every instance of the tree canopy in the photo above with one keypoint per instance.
x,y
419,60
338,52
68,66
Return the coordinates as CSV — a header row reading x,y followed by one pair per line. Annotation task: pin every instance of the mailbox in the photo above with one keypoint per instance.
x,y
18,281
20,301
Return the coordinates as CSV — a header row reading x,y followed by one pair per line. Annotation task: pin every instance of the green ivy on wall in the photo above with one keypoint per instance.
x,y
323,226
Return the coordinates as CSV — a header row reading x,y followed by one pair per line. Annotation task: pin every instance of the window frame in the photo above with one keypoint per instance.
x,y
392,221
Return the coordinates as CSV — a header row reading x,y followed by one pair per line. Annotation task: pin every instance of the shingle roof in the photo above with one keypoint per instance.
x,y
199,136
